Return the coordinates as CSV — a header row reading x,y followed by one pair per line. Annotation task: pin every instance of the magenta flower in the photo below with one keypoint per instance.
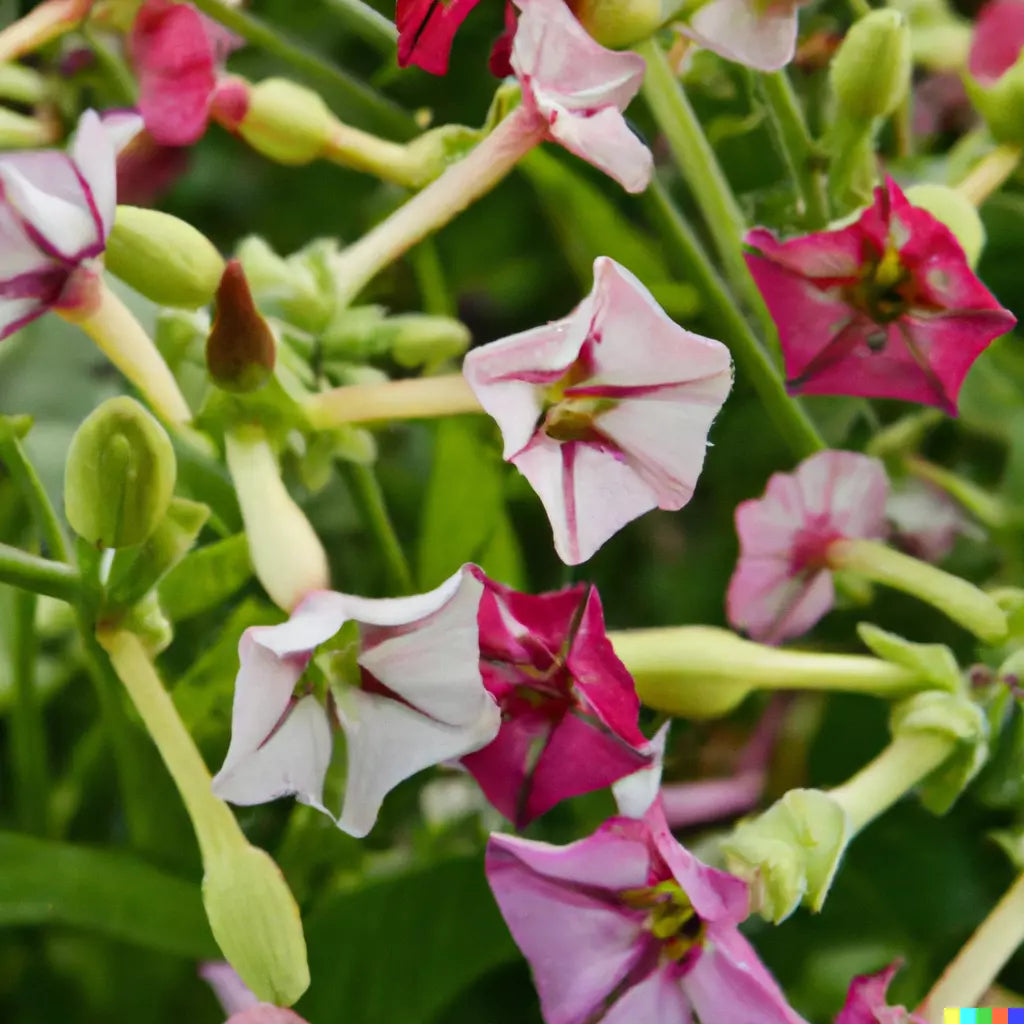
x,y
568,706
426,29
400,677
884,308
177,54
751,32
579,90
628,927
865,1002
606,412
56,211
997,41
782,584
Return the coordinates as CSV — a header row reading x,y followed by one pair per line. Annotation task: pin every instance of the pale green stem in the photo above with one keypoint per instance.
x,y
904,434
961,601
705,672
389,161
369,497
752,360
18,131
989,510
975,967
893,773
124,341
39,575
28,734
370,25
798,147
700,169
44,22
25,477
445,197
22,85
411,399
989,174
858,8
286,553
270,37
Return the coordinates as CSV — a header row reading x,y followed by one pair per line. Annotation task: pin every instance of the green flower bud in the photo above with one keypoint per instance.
x,y
240,351
162,257
870,73
619,23
956,212
119,475
1001,104
430,153
256,923
286,122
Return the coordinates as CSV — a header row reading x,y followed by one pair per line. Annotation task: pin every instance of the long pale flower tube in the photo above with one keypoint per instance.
x,y
44,22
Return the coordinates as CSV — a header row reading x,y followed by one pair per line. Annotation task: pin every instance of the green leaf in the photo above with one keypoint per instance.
x,y
43,882
464,517
933,662
206,578
403,949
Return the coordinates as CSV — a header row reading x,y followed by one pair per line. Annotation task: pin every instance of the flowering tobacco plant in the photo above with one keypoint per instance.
x,y
562,761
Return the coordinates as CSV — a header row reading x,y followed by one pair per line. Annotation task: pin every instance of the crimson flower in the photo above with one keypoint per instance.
x,y
866,1002
885,308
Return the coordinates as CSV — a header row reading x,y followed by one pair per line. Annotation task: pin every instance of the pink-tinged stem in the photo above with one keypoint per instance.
x,y
460,185
124,341
694,803
43,23
975,967
420,398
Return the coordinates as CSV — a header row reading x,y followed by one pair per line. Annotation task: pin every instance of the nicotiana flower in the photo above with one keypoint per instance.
x,y
997,41
399,676
926,521
579,89
56,211
606,412
884,308
866,1002
758,33
568,706
178,55
782,584
628,927
241,1006
426,29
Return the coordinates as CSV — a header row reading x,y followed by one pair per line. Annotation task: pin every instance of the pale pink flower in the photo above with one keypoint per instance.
x,y
400,677
782,584
758,33
568,705
885,308
866,1003
579,89
241,1006
628,927
56,211
606,412
926,521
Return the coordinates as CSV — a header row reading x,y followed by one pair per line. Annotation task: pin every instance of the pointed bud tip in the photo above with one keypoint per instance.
x,y
870,72
240,350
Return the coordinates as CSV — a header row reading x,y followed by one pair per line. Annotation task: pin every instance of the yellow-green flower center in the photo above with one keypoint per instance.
x,y
671,918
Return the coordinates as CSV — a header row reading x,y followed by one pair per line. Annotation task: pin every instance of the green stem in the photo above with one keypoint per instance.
x,y
963,602
973,970
22,85
371,26
858,8
989,174
39,575
785,412
273,40
437,299
369,497
798,148
28,734
893,773
700,168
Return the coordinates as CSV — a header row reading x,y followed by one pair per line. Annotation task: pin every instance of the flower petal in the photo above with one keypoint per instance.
x,y
657,998
426,29
606,141
94,153
760,35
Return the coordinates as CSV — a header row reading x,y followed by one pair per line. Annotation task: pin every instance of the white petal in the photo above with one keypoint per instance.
x,y
761,36
314,621
606,141
635,793
388,742
95,156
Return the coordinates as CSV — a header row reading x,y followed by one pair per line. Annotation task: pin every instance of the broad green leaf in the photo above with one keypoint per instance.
x,y
43,882
404,948
464,517
206,578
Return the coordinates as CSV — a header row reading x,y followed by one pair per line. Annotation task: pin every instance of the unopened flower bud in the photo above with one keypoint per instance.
x,y
870,73
162,257
956,211
119,476
240,350
619,23
1001,103
281,119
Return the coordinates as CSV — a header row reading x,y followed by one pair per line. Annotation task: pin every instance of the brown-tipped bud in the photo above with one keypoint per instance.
x,y
240,350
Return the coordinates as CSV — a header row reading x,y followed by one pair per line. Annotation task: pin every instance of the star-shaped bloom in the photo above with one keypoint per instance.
x,y
885,308
400,677
568,706
628,927
606,412
782,584
758,33
866,1003
579,89
56,211
178,55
